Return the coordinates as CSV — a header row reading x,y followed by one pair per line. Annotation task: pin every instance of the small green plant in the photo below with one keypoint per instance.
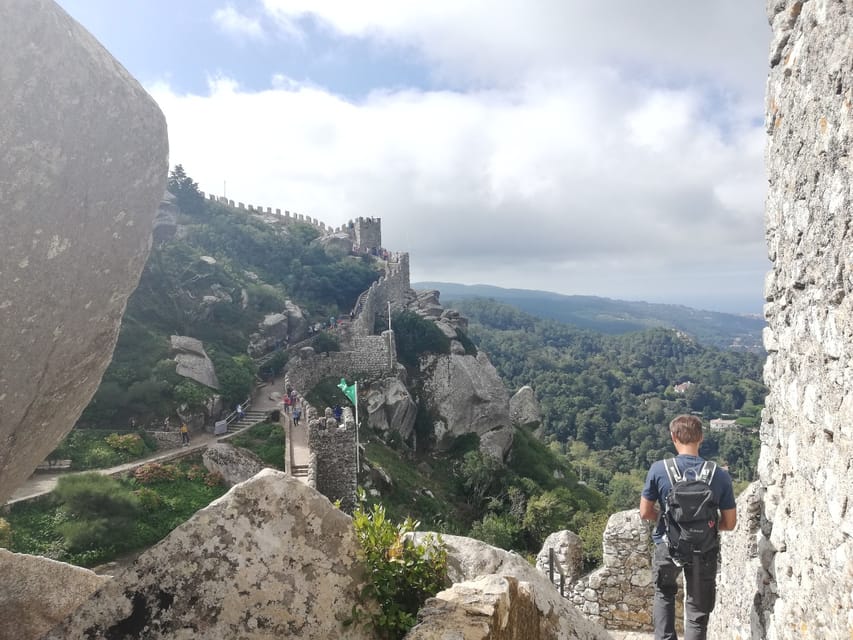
x,y
402,573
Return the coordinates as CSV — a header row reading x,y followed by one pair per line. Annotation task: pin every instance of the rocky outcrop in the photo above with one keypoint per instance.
x,y
36,593
512,587
166,221
335,245
524,407
271,558
469,396
568,556
792,560
193,362
390,408
235,464
83,168
277,329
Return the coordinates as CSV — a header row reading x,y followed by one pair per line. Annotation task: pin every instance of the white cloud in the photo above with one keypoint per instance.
x,y
581,182
234,23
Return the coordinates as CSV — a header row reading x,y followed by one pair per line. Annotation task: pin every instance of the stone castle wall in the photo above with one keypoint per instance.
x,y
789,573
333,461
393,287
619,594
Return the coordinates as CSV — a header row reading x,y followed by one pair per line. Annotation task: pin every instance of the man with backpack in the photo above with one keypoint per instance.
x,y
696,501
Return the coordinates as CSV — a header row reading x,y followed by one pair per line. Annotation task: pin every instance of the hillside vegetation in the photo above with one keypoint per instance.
x,y
606,399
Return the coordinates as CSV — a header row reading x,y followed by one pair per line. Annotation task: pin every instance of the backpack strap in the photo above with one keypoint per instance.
x,y
672,471
707,473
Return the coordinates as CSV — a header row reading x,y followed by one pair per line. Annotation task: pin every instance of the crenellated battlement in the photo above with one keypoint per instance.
x,y
366,232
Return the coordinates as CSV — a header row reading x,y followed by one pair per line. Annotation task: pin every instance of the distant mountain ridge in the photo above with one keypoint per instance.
x,y
605,315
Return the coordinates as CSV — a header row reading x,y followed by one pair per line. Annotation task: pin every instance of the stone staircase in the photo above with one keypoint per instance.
x,y
250,417
299,471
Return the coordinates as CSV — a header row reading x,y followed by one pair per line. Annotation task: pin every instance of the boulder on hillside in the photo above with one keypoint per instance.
x,y
390,407
568,556
335,245
36,593
83,168
235,464
524,407
469,394
166,221
193,362
482,573
297,323
272,558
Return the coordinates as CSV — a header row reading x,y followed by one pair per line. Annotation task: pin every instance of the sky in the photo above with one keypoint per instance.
x,y
596,148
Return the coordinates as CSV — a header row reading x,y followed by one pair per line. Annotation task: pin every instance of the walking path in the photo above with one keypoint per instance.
x,y
41,483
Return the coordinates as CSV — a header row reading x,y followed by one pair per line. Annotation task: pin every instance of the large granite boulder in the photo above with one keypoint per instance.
x,y
568,556
235,464
270,559
335,245
36,593
390,408
297,323
83,168
193,362
470,396
524,407
512,584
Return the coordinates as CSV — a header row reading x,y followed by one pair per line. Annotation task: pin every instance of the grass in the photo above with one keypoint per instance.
x,y
36,523
266,440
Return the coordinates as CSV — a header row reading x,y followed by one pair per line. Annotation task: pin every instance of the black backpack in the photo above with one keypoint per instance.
x,y
691,512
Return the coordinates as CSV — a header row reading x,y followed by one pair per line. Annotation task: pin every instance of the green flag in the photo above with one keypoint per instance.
x,y
349,390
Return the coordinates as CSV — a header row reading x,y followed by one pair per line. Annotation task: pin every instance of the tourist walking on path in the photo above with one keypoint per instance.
x,y
714,485
297,413
240,413
185,434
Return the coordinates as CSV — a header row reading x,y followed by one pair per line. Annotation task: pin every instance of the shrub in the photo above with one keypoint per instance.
x,y
415,336
325,342
100,511
402,574
156,472
129,443
213,479
498,530
149,499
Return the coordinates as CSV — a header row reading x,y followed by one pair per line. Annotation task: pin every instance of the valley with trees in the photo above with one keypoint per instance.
x,y
605,399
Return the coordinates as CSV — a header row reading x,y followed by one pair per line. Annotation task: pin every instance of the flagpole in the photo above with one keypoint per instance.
x,y
356,432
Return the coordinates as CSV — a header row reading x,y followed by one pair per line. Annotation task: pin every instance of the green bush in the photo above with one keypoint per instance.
x,y
130,443
499,530
100,511
156,472
415,336
402,574
324,342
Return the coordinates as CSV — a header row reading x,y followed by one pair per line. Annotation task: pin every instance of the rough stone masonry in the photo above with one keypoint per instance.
x,y
83,167
788,568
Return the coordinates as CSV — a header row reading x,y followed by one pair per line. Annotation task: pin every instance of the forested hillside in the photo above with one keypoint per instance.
x,y
606,399
215,279
725,330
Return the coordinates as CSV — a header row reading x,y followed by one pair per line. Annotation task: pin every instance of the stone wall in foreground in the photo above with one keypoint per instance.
x,y
790,572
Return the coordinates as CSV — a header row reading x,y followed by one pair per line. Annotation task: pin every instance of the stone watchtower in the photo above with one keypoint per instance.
x,y
367,232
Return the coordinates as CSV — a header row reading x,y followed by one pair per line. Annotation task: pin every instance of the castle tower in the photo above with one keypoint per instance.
x,y
367,233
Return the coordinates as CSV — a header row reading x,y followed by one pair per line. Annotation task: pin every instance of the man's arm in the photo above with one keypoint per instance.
x,y
728,519
648,509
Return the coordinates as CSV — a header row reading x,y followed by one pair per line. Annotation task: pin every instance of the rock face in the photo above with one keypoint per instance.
x,y
390,407
270,559
36,593
792,560
236,465
517,600
193,362
524,407
83,168
470,397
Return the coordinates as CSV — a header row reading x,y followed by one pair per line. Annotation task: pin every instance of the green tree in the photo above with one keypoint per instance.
x,y
186,192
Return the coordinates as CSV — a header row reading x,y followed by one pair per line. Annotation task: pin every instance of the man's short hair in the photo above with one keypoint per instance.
x,y
686,428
